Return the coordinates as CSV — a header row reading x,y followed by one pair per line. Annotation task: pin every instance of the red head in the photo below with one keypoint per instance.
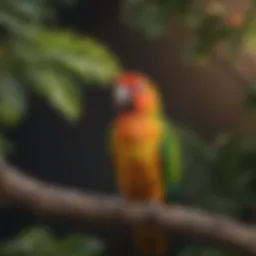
x,y
135,93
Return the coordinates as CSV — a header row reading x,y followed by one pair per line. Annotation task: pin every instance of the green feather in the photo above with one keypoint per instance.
x,y
171,162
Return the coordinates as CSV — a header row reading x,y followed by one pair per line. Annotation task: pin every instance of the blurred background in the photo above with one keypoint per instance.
x,y
58,62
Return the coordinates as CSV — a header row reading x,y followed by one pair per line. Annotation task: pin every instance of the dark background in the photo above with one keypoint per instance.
x,y
49,148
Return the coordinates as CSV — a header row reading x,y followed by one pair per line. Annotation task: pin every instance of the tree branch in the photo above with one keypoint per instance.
x,y
54,201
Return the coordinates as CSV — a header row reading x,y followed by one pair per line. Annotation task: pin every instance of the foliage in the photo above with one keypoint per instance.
x,y
40,242
221,178
37,56
210,22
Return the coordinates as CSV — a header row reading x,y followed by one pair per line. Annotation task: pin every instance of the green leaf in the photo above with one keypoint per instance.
x,y
12,25
79,245
27,10
13,103
149,18
60,90
40,242
48,58
84,56
52,60
35,241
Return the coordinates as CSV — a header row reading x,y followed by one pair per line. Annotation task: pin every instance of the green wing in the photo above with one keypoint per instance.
x,y
195,156
171,154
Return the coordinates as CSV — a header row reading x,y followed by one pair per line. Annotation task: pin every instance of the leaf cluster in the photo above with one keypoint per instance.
x,y
220,178
41,242
210,23
37,56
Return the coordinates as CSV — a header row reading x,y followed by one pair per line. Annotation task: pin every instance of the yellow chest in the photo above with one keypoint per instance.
x,y
137,144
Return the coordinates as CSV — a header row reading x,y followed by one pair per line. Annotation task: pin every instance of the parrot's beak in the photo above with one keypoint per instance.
x,y
122,97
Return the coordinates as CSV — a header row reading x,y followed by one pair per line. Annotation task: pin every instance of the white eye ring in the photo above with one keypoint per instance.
x,y
121,94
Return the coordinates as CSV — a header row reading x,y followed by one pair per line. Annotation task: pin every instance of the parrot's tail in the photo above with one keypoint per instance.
x,y
150,240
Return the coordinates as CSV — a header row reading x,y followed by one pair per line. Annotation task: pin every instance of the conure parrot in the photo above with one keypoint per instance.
x,y
146,153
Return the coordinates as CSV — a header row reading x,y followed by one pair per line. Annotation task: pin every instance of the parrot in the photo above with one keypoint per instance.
x,y
146,154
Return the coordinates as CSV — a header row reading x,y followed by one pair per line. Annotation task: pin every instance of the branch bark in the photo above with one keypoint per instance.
x,y
52,200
